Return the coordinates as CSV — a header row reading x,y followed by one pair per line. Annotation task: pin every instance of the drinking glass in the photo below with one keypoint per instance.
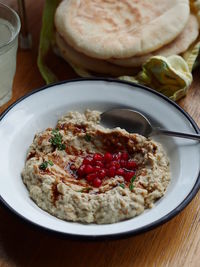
x,y
9,31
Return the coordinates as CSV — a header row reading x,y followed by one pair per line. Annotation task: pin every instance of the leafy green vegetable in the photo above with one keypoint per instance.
x,y
87,138
122,185
44,164
50,162
56,140
131,186
133,178
46,38
55,131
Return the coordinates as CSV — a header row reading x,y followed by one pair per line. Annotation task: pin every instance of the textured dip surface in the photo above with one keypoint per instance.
x,y
50,171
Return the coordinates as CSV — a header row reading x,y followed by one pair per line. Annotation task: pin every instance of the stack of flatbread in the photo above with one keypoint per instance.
x,y
115,37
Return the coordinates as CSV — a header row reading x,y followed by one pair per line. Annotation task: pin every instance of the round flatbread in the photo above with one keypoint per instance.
x,y
178,46
94,65
120,29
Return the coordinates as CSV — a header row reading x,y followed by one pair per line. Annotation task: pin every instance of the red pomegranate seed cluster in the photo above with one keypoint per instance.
x,y
96,167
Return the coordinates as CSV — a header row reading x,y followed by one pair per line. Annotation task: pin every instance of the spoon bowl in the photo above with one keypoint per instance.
x,y
130,120
135,122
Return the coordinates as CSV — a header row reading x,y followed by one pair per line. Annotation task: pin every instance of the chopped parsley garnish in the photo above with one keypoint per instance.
x,y
50,162
55,131
56,140
131,186
61,147
87,138
44,164
122,185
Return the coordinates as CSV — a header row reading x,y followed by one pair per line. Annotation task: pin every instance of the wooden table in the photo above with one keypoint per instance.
x,y
176,243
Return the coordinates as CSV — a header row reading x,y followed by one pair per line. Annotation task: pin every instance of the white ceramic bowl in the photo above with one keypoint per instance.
x,y
42,108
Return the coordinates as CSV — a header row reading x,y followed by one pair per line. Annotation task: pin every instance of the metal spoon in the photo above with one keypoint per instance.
x,y
135,122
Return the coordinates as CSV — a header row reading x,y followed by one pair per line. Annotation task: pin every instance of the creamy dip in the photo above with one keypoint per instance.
x,y
81,171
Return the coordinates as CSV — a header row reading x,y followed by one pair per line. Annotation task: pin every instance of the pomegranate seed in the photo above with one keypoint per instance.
x,y
90,177
102,174
111,172
131,164
97,168
89,169
108,157
115,164
120,172
87,160
107,165
117,156
129,175
97,182
125,156
123,163
81,170
97,157
99,163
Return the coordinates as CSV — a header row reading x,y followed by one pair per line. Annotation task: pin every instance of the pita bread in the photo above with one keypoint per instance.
x,y
120,29
93,65
178,46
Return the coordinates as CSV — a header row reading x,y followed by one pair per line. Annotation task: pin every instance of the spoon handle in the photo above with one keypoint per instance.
x,y
177,134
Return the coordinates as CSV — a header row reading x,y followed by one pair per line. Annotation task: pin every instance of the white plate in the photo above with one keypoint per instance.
x,y
42,108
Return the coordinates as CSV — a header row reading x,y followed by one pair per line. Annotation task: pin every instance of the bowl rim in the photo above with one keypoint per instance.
x,y
115,236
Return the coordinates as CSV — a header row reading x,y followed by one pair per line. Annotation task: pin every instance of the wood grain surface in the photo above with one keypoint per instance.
x,y
176,243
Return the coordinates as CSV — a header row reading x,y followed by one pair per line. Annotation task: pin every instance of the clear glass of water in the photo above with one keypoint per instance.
x,y
9,31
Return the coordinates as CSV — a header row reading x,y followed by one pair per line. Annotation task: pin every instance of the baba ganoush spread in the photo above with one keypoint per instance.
x,y
81,171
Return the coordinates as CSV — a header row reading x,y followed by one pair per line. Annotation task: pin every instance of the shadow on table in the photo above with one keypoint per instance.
x,y
24,245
